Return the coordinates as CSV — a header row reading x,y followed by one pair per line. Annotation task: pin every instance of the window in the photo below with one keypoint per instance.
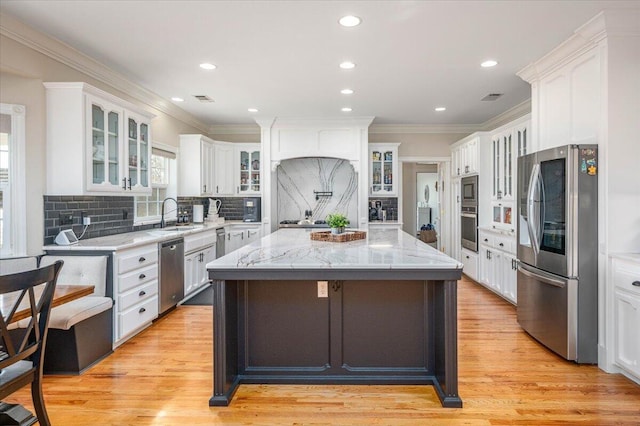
x,y
13,230
148,209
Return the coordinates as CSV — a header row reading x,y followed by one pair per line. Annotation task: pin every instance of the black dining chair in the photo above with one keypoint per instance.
x,y
22,353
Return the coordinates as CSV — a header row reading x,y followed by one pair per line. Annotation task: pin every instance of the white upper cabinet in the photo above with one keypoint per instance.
x,y
465,156
383,169
507,144
224,170
97,144
248,168
195,169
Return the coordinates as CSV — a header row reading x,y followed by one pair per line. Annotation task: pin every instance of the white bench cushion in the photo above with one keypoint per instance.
x,y
66,316
81,270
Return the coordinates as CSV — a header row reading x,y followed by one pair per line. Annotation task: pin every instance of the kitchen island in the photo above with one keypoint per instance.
x,y
381,310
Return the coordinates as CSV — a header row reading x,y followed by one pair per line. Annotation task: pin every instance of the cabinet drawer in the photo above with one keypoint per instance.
x,y
486,239
470,264
503,243
625,274
137,258
137,295
198,241
137,277
138,316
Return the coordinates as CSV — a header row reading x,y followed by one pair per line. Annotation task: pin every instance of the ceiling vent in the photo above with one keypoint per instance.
x,y
203,98
492,96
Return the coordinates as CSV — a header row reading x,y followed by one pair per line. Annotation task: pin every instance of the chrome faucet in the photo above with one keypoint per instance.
x,y
164,201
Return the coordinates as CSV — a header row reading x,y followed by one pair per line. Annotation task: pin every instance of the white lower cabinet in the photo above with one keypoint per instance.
x,y
626,281
469,261
135,290
200,249
240,235
497,264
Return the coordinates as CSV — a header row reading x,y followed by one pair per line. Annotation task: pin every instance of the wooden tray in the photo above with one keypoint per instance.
x,y
338,238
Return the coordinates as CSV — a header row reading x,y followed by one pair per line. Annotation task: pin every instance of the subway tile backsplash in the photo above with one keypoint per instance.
x,y
114,215
389,204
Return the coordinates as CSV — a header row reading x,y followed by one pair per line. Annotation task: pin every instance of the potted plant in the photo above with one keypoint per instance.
x,y
337,222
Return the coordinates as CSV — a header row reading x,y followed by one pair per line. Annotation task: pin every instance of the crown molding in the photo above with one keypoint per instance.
x,y
423,128
508,116
55,49
234,129
608,23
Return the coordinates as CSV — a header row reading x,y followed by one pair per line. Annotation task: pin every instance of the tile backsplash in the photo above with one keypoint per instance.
x,y
390,204
114,215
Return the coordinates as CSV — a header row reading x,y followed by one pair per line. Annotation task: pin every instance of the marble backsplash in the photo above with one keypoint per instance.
x,y
300,179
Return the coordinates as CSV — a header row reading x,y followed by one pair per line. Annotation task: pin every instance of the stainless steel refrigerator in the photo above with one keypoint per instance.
x,y
558,249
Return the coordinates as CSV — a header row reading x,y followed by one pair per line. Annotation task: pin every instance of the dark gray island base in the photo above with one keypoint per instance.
x,y
388,316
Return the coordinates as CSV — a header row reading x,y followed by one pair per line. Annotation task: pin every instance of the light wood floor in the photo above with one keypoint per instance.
x,y
164,377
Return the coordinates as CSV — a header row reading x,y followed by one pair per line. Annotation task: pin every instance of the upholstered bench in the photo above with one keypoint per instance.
x,y
81,331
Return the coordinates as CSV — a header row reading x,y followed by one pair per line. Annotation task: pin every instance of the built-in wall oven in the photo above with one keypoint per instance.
x,y
469,228
469,213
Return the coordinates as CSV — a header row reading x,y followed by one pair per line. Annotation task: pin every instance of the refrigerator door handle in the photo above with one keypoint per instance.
x,y
532,215
540,277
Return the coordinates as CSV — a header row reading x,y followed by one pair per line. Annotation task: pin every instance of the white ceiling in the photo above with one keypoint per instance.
x,y
282,56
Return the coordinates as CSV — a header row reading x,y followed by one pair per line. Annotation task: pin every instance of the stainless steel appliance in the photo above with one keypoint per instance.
x,y
469,191
469,227
558,249
251,209
220,239
171,285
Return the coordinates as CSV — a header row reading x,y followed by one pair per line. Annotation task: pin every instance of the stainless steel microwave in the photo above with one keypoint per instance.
x,y
469,191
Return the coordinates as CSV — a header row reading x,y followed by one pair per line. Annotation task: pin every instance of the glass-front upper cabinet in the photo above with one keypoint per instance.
x,y
106,134
97,143
383,165
138,154
249,169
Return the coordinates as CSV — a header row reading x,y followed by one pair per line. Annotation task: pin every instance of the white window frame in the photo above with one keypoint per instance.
x,y
172,191
15,221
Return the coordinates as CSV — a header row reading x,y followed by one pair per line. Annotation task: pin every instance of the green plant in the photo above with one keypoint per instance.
x,y
337,220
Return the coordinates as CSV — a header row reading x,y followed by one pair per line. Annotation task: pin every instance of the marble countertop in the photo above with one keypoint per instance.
x,y
384,248
139,238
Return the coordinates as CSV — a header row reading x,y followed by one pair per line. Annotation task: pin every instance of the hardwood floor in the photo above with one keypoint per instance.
x,y
164,377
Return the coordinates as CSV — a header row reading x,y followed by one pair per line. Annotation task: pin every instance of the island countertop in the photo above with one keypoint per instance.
x,y
383,249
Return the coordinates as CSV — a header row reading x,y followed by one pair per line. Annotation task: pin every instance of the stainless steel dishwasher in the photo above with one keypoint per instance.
x,y
220,240
171,286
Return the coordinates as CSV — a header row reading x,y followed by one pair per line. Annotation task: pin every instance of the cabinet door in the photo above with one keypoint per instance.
x,y
627,338
253,235
507,167
224,170
484,265
455,162
509,274
248,161
191,270
521,135
206,168
207,255
137,154
471,156
235,240
383,170
496,161
104,150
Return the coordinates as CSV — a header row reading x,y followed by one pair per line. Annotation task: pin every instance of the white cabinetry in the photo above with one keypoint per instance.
x,y
626,281
224,171
383,169
97,144
469,261
240,235
497,263
248,168
195,170
465,155
507,144
199,249
135,290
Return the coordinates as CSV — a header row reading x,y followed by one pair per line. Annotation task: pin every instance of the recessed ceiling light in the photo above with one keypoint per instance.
x,y
347,65
489,63
207,66
252,109
177,99
346,92
440,109
346,109
350,21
